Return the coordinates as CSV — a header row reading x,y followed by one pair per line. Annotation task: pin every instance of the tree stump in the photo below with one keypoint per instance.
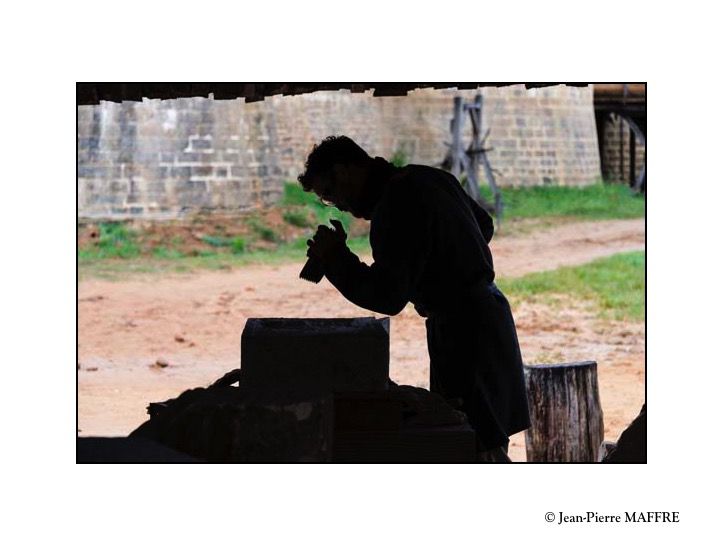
x,y
566,420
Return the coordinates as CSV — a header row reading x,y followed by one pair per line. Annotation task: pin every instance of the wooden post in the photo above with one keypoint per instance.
x,y
497,197
637,182
631,147
458,160
474,155
622,148
565,414
601,124
640,184
456,150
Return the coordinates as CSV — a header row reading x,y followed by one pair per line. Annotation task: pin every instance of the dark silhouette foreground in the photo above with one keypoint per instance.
x,y
631,447
430,247
252,423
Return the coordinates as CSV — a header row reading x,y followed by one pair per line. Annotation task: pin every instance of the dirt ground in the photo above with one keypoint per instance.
x,y
191,324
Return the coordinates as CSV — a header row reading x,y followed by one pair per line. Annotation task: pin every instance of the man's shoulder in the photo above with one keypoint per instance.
x,y
419,177
412,189
423,171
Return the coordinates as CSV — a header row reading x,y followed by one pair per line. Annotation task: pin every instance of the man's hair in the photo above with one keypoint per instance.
x,y
332,150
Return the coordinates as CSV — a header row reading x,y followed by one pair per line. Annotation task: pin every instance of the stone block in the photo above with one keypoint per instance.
x,y
316,356
205,170
201,144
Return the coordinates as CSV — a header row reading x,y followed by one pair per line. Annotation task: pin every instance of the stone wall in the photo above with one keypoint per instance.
x,y
166,158
616,152
163,158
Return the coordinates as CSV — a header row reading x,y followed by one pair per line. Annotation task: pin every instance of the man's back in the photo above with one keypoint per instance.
x,y
426,224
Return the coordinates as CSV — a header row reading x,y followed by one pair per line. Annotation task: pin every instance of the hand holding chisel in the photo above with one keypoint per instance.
x,y
326,240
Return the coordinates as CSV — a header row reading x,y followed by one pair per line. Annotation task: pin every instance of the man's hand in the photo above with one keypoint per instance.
x,y
326,240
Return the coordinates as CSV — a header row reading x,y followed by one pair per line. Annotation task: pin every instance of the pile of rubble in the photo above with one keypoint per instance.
x,y
312,390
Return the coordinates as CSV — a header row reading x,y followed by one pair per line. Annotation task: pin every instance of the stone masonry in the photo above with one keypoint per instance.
x,y
616,154
159,159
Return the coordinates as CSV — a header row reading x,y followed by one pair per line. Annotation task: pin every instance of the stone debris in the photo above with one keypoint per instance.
x,y
96,298
228,425
311,390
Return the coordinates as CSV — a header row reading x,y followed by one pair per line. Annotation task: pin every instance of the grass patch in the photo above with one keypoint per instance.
x,y
165,253
115,241
302,217
170,261
400,157
297,200
237,244
217,241
295,195
527,209
263,231
616,284
598,201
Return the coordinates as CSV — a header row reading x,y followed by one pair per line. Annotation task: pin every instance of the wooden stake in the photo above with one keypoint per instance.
x,y
565,413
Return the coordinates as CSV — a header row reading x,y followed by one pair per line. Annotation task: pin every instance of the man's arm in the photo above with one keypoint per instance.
x,y
377,287
399,241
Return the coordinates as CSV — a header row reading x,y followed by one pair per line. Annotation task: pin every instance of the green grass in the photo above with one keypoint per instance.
x,y
217,241
262,231
615,284
164,253
294,196
302,217
400,157
172,261
526,209
115,241
236,244
598,201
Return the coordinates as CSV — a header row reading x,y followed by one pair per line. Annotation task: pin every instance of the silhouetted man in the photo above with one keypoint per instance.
x,y
429,244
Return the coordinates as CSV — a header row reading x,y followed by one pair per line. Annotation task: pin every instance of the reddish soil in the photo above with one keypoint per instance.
x,y
187,236
191,325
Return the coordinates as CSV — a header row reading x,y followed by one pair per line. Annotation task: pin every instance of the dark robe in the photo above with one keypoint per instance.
x,y
429,244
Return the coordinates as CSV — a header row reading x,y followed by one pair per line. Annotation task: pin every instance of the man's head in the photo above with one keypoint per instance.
x,y
344,175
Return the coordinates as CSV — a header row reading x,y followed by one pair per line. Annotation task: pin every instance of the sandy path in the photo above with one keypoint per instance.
x,y
194,322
